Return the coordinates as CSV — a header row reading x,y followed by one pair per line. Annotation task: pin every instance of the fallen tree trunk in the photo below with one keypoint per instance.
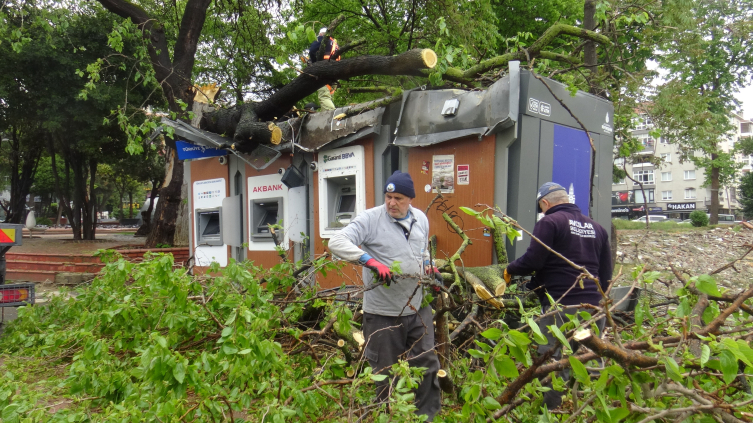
x,y
492,276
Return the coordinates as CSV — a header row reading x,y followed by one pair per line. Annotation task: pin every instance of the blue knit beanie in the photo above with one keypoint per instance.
x,y
400,183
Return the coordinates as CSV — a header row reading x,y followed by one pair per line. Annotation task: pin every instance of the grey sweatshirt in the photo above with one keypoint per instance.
x,y
382,237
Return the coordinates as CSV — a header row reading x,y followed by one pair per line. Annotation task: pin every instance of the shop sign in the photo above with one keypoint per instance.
x,y
655,209
681,206
618,210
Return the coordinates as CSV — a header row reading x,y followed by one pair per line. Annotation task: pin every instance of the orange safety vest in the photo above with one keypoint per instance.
x,y
332,51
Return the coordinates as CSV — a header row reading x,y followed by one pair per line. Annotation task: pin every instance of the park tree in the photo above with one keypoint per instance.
x,y
72,127
708,58
745,194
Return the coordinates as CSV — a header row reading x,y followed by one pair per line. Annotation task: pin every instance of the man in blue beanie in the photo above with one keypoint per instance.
x,y
394,324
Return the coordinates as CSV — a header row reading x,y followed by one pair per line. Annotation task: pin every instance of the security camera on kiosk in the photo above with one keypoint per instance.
x,y
223,160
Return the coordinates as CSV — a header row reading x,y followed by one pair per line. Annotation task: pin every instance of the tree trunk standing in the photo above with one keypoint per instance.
x,y
146,216
166,215
714,207
89,218
23,168
64,202
175,78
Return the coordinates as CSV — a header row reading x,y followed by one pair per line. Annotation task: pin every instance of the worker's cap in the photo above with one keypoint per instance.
x,y
400,183
546,189
323,30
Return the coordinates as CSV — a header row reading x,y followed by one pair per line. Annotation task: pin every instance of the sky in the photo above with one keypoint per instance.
x,y
746,98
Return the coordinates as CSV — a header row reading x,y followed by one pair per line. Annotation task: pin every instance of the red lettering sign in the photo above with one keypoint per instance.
x,y
265,188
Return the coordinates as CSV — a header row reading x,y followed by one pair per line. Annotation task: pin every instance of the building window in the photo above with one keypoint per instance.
x,y
664,140
666,176
667,157
639,196
619,161
746,127
666,195
643,121
690,193
688,175
646,140
644,176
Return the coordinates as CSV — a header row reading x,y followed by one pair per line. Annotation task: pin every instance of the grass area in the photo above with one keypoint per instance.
x,y
622,224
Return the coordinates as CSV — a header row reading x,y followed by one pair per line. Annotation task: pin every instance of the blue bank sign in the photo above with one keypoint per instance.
x,y
187,151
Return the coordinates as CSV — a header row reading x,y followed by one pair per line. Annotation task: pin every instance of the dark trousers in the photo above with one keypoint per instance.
x,y
552,398
389,338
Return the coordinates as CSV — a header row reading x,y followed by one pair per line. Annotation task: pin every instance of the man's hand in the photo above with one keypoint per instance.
x,y
383,272
507,277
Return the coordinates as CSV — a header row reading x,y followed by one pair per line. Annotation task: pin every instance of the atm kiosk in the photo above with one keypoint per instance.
x,y
267,198
207,204
342,188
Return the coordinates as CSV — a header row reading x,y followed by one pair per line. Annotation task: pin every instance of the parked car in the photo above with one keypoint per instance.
x,y
725,219
651,219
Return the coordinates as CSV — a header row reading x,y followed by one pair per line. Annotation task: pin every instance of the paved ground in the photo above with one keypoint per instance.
x,y
64,244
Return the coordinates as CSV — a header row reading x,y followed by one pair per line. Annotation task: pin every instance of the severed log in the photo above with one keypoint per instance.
x,y
243,124
492,276
481,290
445,382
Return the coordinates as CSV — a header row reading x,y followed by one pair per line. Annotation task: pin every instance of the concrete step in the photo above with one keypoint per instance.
x,y
56,258
54,266
17,275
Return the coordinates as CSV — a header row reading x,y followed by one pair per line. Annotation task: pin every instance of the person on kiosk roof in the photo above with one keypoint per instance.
x,y
330,48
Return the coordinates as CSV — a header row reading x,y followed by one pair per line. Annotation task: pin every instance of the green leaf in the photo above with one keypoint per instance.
x,y
561,337
579,370
512,234
673,370
227,331
378,378
506,367
229,349
707,285
537,335
244,352
490,403
179,372
518,338
470,211
310,35
729,366
705,354
492,333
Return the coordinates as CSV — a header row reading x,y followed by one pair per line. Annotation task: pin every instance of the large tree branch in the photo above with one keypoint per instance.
x,y
188,38
321,73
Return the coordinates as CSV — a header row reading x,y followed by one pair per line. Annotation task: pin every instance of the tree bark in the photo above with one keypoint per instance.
x,y
166,215
714,207
492,276
589,50
322,73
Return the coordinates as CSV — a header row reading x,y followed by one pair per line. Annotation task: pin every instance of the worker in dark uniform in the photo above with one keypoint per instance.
x,y
324,93
581,240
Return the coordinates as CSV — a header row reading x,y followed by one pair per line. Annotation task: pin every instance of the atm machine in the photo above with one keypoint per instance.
x,y
342,188
208,239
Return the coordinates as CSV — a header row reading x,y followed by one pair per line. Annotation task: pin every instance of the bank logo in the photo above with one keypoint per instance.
x,y
341,156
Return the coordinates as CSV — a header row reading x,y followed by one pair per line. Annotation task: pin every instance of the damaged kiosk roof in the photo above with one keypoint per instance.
x,y
426,117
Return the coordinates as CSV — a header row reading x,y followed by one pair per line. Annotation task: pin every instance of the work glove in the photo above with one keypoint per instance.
x,y
383,272
438,277
507,277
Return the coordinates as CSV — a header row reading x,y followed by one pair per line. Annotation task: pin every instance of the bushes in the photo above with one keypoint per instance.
x,y
698,218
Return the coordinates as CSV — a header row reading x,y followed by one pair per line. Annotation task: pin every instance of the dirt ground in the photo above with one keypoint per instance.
x,y
64,244
694,252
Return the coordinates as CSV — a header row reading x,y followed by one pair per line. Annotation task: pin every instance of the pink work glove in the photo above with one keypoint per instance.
x,y
383,272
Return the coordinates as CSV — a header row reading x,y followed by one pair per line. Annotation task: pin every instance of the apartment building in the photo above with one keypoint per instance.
x,y
672,188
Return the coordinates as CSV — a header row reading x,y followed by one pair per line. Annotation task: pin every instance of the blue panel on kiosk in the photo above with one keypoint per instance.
x,y
186,150
571,166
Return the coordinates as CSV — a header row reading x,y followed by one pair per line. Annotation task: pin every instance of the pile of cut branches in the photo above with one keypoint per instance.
x,y
150,342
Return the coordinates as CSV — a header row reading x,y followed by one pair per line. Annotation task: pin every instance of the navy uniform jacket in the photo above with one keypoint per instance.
x,y
583,241
314,47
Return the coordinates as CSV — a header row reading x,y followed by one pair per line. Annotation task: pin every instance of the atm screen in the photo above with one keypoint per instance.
x,y
269,218
347,204
213,224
